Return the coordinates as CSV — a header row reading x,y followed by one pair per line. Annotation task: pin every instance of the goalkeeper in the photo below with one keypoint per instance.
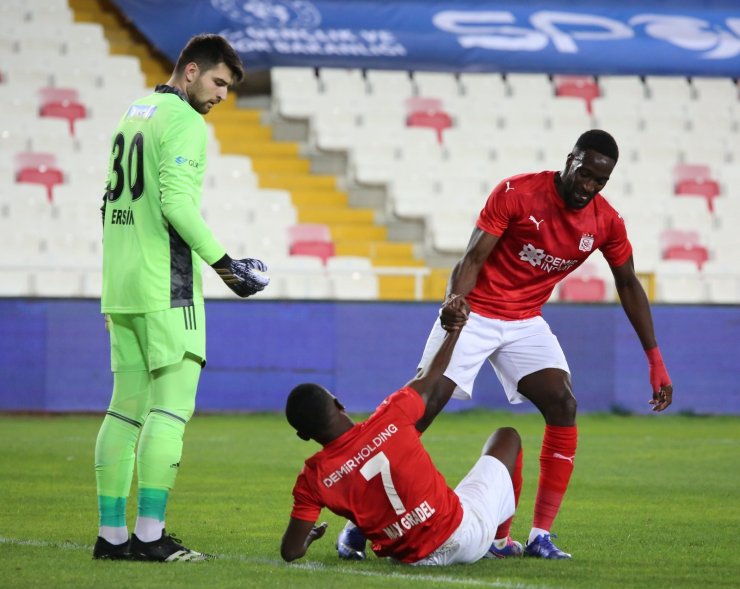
x,y
154,243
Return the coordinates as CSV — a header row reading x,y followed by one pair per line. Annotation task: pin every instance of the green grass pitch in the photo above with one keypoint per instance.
x,y
653,503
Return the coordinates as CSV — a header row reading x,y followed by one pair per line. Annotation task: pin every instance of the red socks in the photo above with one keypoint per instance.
x,y
556,465
505,528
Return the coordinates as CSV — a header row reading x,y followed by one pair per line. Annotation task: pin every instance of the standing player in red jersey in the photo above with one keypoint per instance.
x,y
532,232
378,474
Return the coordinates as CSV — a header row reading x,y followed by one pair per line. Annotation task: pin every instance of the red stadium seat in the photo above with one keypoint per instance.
x,y
62,103
587,289
680,237
683,172
584,87
677,244
706,188
438,120
38,168
693,253
65,110
308,232
320,249
311,239
422,104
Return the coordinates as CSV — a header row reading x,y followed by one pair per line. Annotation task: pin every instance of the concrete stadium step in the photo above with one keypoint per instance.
x,y
358,232
225,133
397,261
234,115
319,198
336,215
298,181
376,249
258,147
280,165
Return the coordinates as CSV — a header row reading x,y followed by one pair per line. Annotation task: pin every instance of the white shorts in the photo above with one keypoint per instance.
x,y
514,349
487,498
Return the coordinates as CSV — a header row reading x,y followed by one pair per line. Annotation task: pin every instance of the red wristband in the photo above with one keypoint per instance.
x,y
658,373
654,356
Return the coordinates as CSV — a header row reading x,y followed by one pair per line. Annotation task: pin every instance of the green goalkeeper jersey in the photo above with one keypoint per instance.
x,y
154,236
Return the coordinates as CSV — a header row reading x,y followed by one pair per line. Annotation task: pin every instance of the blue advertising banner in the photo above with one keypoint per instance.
x,y
566,37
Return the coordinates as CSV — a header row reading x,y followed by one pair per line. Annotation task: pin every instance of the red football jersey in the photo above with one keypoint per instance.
x,y
540,242
379,475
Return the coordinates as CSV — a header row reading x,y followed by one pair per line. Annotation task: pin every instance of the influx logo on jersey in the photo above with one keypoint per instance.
x,y
539,258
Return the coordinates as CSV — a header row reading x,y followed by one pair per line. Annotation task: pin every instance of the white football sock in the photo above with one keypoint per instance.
x,y
148,529
534,533
114,534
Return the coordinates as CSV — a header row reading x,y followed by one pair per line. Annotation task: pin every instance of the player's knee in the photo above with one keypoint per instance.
x,y
559,406
509,436
179,415
503,444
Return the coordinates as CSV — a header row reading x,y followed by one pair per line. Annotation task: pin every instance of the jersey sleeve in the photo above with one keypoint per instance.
x,y
408,402
305,506
495,216
617,248
182,146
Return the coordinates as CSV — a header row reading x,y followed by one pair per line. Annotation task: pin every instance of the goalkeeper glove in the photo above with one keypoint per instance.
x,y
240,275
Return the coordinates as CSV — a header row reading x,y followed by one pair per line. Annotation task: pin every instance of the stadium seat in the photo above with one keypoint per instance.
x,y
352,278
722,282
583,289
694,253
38,168
422,104
707,189
583,87
679,281
680,237
437,120
62,103
301,277
627,89
442,84
15,282
679,244
685,171
321,249
529,88
308,232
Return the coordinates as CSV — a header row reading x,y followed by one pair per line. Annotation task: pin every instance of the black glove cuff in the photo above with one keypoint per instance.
x,y
223,262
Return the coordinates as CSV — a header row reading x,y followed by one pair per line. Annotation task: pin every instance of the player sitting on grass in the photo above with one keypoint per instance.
x,y
378,474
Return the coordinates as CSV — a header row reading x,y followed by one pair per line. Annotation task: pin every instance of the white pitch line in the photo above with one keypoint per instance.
x,y
308,566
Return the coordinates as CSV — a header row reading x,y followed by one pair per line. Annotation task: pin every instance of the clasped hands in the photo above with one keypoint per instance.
x,y
454,312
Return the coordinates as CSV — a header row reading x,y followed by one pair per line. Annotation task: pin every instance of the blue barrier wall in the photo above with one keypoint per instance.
x,y
682,37
54,355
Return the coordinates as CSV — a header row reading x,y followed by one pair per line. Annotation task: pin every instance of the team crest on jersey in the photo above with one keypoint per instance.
x,y
587,242
141,111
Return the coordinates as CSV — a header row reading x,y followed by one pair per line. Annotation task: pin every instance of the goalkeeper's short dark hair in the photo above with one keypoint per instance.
x,y
600,141
307,409
208,50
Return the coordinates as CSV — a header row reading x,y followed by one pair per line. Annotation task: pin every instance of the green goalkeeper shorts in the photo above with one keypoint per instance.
x,y
148,341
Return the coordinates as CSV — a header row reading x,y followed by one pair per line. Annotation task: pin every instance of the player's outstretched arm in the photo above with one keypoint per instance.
x,y
298,537
637,308
464,276
242,276
433,387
